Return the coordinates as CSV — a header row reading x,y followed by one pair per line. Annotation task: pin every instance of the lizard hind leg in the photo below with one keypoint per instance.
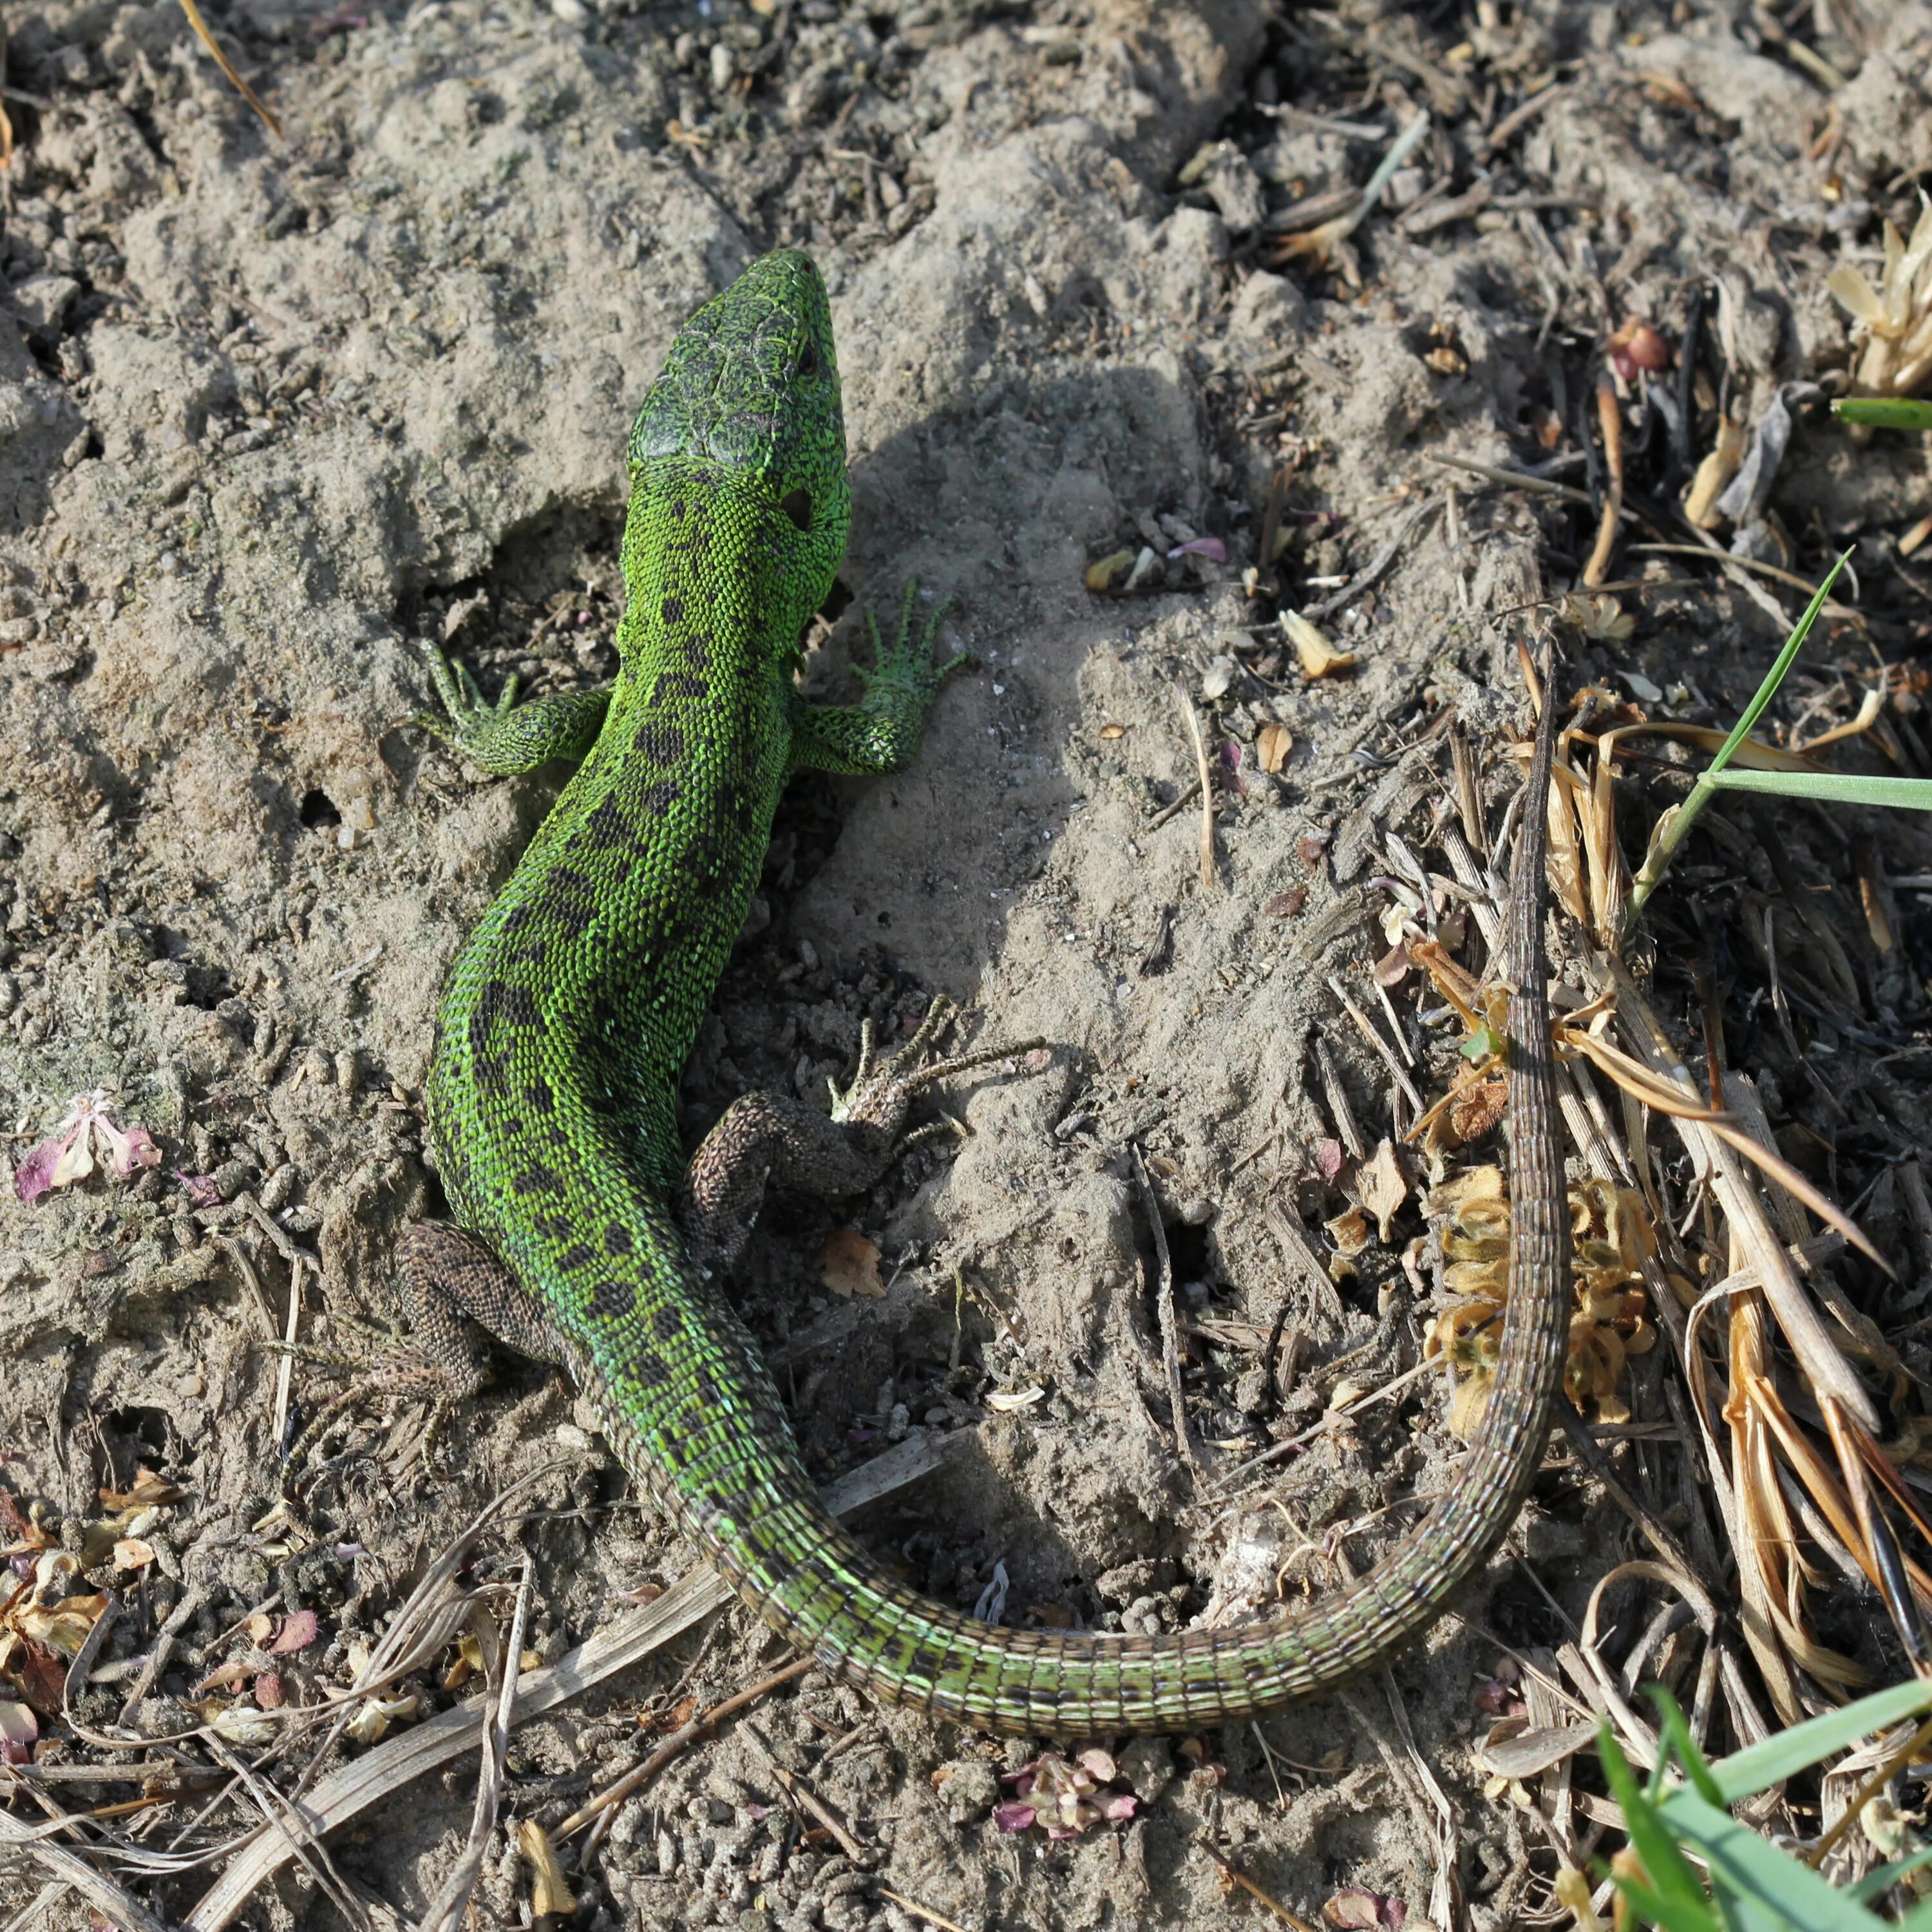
x,y
764,1139
450,1284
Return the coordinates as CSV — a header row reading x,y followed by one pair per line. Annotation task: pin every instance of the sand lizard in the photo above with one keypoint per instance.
x,y
584,1238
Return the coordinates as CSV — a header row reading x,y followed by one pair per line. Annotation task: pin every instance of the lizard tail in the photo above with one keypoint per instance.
x,y
695,1418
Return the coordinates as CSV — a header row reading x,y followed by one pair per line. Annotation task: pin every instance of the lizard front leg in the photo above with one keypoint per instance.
x,y
880,732
507,738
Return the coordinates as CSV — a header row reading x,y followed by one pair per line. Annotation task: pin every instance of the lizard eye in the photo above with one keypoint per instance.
x,y
798,506
807,361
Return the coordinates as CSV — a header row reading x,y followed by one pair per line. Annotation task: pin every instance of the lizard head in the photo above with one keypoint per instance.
x,y
748,401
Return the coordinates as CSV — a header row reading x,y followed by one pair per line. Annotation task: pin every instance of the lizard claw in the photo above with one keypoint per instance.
x,y
907,660
468,718
878,1096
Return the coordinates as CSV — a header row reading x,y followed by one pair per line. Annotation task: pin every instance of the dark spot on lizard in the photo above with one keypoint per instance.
x,y
537,1180
617,1239
553,1227
653,1372
616,1299
673,686
657,799
658,743
572,1258
668,1324
696,651
538,1095
607,825
569,898
925,1663
672,610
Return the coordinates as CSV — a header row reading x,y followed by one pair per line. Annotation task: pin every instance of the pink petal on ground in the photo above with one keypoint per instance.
x,y
20,1729
127,1148
1116,1805
1013,1817
1212,548
300,1629
43,1168
202,1191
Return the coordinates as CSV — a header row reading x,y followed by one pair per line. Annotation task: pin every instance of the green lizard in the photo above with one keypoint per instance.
x,y
582,1237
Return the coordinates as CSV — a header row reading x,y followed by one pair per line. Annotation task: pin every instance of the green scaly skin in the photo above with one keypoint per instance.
x,y
569,1014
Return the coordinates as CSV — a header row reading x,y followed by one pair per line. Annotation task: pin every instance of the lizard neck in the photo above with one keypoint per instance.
x,y
715,568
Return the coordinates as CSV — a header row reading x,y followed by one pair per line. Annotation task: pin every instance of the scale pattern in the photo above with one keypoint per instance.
x,y
570,1013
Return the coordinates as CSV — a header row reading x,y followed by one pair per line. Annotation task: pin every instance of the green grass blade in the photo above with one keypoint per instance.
x,y
1773,678
1884,411
1742,1862
1837,787
1919,1919
1758,1766
1675,1731
1673,830
1678,1889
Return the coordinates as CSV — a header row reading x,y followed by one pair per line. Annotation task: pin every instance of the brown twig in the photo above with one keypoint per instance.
x,y
686,1734
1254,1891
919,1911
1170,1341
807,1800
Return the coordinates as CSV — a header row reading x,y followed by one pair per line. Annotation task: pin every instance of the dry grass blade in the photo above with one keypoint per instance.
x,y
221,61
1610,419
1209,881
74,1872
1653,1090
452,1902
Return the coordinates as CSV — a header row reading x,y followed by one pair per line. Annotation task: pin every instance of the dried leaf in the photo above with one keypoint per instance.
x,y
849,1265
1273,743
62,1626
1319,658
270,1693
1384,1186
1103,575
148,1491
131,1553
242,1724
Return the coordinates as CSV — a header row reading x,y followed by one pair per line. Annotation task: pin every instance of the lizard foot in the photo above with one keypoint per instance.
x,y
905,668
880,1094
506,737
